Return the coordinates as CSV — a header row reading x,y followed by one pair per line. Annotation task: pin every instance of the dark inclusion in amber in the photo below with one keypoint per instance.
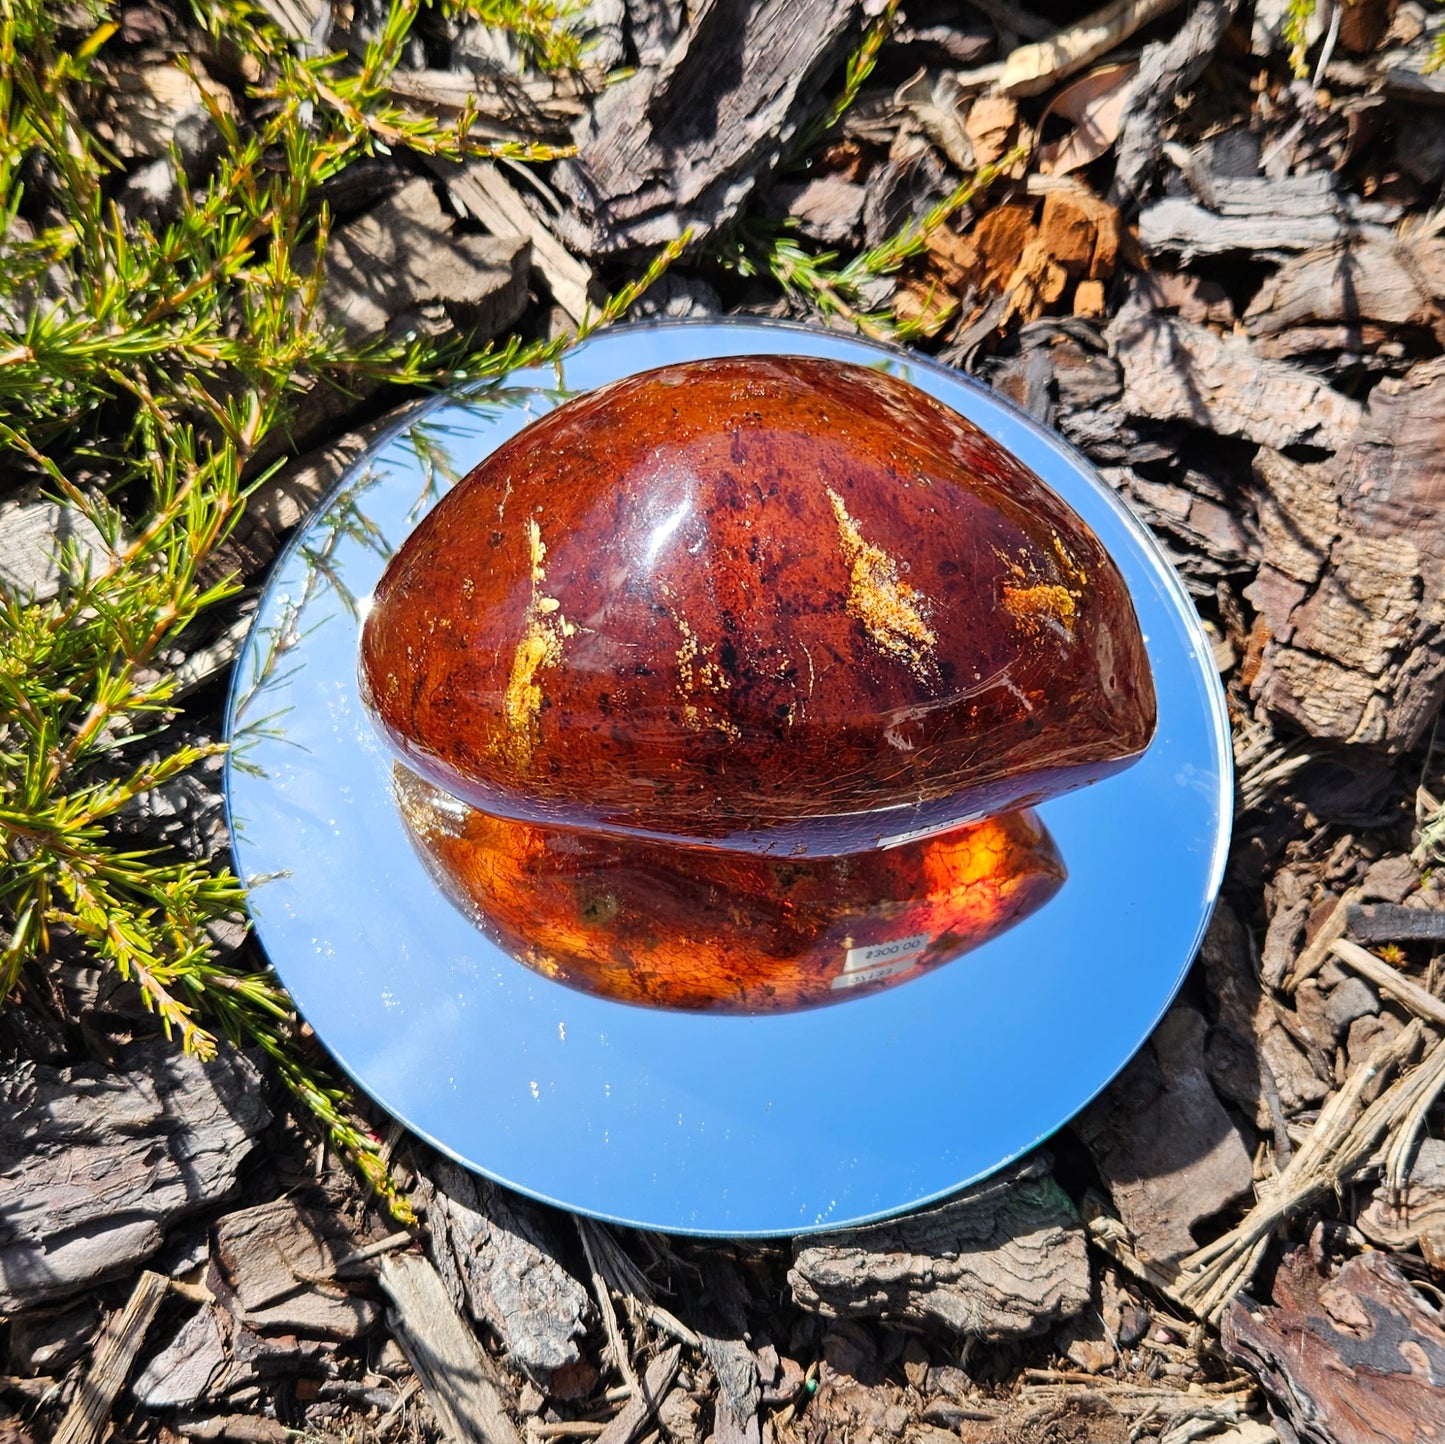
x,y
648,922
780,605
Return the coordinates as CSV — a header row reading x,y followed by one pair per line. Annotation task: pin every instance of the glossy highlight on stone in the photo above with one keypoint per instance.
x,y
715,929
778,604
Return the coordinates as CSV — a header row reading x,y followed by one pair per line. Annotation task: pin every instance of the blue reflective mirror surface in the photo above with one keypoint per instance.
x,y
773,1123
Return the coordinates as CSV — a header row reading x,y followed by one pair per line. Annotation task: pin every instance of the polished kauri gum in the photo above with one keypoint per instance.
x,y
715,929
781,605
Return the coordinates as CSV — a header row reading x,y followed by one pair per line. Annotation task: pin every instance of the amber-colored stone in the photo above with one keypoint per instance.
x,y
710,928
775,604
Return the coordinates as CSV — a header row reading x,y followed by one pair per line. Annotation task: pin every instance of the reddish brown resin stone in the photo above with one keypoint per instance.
x,y
648,922
774,604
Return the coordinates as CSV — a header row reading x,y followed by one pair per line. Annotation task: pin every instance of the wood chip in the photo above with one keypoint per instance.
x,y
1003,1260
1400,1220
120,1341
1356,1357
1360,656
1392,923
99,1161
1032,69
280,1259
1270,216
641,1407
481,190
44,545
500,1260
992,126
1164,71
1391,980
685,145
458,1377
1175,371
1387,281
1166,1149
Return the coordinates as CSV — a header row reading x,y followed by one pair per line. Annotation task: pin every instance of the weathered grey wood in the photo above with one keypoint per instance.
x,y
1392,923
44,545
1401,1223
95,1164
1164,71
1359,1357
458,1377
538,108
397,269
280,1259
194,1366
722,1327
1177,371
482,191
1252,1060
1267,216
624,1426
1166,1149
685,144
1005,1259
120,1341
1358,655
654,26
499,1259
1360,291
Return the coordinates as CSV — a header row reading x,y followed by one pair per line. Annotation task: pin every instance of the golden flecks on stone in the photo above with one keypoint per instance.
x,y
544,629
890,609
1071,569
1038,606
698,673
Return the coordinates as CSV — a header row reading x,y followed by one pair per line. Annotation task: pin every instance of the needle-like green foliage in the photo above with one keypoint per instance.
x,y
141,367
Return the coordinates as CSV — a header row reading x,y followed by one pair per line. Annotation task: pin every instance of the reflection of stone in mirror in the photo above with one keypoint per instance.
x,y
709,929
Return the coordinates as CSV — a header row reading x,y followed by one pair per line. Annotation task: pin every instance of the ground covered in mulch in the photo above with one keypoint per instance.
x,y
1211,253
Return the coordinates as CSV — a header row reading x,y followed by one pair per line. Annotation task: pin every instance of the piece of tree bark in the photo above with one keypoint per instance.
x,y
1358,655
1252,1059
1264,215
1392,923
44,546
459,1379
397,269
279,1260
1166,1149
1401,1223
195,1365
1389,282
534,108
1360,1357
86,1419
98,1163
497,1256
1005,1259
722,1326
623,1427
482,191
685,144
1176,371
1164,71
